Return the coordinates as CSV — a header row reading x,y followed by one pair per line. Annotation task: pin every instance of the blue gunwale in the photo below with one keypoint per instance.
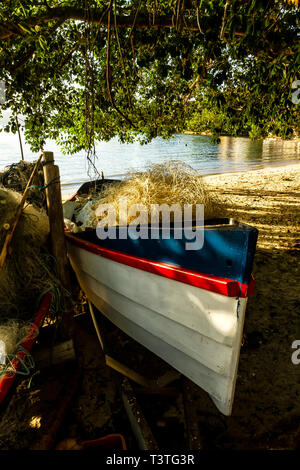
x,y
228,250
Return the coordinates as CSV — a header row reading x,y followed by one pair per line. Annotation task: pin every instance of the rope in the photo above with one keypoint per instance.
x,y
42,188
26,365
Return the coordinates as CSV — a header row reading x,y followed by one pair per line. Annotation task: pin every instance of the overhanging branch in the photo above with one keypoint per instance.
x,y
73,13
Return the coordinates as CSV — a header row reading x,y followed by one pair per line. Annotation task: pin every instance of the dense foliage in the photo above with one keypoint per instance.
x,y
80,70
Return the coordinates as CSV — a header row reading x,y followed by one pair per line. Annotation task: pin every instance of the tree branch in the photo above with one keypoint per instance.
x,y
187,97
73,13
19,64
224,19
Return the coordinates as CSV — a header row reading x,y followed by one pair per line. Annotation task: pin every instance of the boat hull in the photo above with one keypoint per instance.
x,y
196,330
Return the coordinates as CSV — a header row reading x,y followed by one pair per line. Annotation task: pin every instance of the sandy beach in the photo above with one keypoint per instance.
x,y
268,199
266,410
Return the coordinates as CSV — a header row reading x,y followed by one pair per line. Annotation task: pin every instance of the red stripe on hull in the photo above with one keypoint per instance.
x,y
219,285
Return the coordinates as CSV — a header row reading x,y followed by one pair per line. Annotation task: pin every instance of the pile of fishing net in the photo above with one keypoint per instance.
x,y
168,183
26,272
15,177
12,334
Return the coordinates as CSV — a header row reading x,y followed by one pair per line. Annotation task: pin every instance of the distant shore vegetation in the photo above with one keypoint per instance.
x,y
203,118
79,72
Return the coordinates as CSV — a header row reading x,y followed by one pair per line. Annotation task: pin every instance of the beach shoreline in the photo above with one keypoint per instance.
x,y
67,194
275,165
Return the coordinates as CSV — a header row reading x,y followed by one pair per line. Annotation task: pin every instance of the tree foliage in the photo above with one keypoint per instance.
x,y
86,70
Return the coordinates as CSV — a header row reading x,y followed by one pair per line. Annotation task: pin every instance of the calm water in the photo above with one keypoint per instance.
x,y
115,159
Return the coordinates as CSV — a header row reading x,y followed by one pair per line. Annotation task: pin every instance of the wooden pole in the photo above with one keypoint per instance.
x,y
20,140
11,232
56,219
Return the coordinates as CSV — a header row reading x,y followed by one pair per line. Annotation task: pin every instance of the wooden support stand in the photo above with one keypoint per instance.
x,y
139,425
152,385
56,219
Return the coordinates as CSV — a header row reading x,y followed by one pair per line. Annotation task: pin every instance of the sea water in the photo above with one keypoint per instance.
x,y
116,159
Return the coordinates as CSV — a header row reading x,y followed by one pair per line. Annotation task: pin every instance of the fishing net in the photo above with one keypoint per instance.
x,y
25,274
15,177
168,183
12,334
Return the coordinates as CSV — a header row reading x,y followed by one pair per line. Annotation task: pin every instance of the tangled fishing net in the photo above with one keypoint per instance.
x,y
15,177
12,335
25,274
14,332
168,183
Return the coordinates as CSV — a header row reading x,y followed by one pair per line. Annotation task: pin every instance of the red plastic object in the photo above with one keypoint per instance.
x,y
109,442
8,379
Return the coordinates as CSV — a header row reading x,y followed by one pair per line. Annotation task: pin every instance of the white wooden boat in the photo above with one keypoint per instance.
x,y
186,307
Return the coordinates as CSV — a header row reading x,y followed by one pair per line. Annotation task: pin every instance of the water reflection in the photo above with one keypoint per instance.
x,y
239,149
284,148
